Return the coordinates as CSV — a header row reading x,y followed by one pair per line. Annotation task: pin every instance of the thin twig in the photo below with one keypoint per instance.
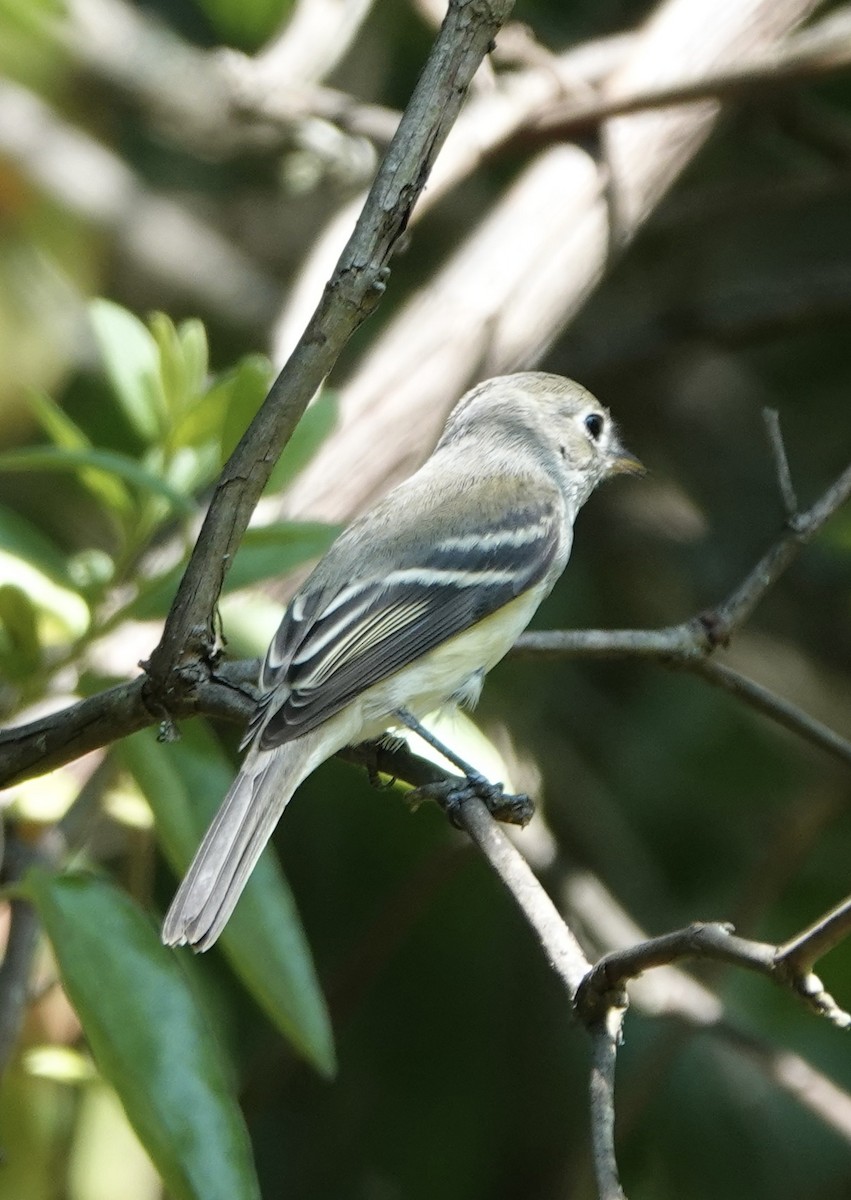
x,y
560,946
800,952
781,711
570,964
781,462
724,620
707,941
21,944
671,993
605,1039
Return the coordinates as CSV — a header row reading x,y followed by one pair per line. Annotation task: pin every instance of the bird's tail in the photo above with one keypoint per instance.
x,y
233,843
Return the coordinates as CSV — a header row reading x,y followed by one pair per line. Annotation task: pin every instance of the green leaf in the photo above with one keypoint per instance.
x,y
25,541
182,362
193,345
247,24
266,552
67,435
19,641
314,427
273,550
242,390
148,1036
184,783
132,362
31,562
51,458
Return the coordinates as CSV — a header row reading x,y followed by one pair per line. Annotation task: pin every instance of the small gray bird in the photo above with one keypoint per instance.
x,y
410,608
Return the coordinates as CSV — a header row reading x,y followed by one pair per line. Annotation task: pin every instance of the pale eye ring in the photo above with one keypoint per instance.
x,y
595,423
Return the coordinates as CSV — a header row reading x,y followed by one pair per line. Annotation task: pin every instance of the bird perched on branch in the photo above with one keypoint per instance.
x,y
410,608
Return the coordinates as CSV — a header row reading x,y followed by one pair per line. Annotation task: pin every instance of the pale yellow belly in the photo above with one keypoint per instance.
x,y
430,681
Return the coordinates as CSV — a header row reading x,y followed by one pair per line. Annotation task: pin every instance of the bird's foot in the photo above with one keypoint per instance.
x,y
452,794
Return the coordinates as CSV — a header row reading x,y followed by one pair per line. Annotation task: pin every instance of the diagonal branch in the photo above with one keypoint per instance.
x,y
775,707
798,954
821,49
350,296
690,644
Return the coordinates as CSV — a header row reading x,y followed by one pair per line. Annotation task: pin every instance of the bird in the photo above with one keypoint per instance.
x,y
410,607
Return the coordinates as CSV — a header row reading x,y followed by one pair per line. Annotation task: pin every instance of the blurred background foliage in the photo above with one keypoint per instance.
x,y
452,1069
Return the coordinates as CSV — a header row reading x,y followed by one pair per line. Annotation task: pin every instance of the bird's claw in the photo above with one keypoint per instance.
x,y
451,795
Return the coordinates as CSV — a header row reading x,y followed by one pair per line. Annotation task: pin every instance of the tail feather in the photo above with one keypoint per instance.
x,y
233,843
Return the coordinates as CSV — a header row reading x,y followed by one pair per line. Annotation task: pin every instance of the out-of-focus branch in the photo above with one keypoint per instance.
x,y
531,263
21,943
316,36
155,232
219,102
819,50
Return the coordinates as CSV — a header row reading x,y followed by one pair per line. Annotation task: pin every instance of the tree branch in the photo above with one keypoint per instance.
x,y
690,644
717,941
671,993
821,49
20,948
779,710
350,296
224,689
605,1040
799,954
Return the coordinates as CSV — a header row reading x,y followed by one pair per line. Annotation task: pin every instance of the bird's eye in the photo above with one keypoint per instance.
x,y
594,423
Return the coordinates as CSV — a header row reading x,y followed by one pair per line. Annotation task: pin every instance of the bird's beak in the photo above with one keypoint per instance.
x,y
623,462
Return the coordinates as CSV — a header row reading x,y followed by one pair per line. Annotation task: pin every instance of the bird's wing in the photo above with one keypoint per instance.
x,y
329,648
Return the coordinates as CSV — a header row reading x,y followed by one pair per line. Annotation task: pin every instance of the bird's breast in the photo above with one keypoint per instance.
x,y
453,670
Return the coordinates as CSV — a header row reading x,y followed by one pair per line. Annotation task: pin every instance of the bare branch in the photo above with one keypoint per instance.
x,y
781,462
670,992
736,609
350,296
708,941
690,644
224,690
605,1040
20,948
781,711
568,960
800,952
560,946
